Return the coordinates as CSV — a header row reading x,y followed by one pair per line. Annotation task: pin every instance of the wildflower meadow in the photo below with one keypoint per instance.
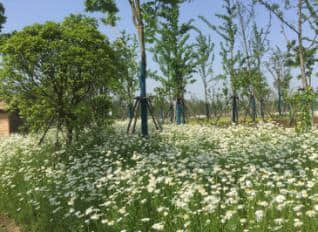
x,y
185,178
159,115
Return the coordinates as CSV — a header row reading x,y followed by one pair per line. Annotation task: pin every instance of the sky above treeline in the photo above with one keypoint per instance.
x,y
21,13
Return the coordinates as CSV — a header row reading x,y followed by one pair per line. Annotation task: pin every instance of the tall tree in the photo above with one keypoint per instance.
x,y
245,15
3,18
277,66
228,31
305,15
174,54
309,58
298,29
110,9
126,47
205,53
260,45
254,45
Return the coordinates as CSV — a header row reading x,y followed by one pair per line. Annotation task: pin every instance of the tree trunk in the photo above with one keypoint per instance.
x,y
262,106
300,44
308,103
162,115
69,135
234,108
279,102
183,112
130,111
179,111
207,107
253,106
138,21
143,102
171,112
207,110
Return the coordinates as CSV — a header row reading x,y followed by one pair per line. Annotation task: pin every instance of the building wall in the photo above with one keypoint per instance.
x,y
4,124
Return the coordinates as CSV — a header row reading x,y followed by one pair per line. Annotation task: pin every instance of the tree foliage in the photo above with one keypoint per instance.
x,y
281,73
228,30
309,58
306,15
126,48
173,51
205,52
59,74
3,18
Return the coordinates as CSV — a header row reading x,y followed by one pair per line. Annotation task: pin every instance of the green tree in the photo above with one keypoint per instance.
x,y
3,18
126,47
281,74
58,74
110,9
260,45
309,58
254,46
174,54
306,15
160,102
245,15
228,32
205,53
276,9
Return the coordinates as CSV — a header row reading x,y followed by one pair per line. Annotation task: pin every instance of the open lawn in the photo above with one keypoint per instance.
x,y
186,178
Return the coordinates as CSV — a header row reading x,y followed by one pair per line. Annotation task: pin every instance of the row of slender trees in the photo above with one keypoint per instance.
x,y
244,69
69,71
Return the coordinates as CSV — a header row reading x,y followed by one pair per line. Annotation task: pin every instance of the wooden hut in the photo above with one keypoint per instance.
x,y
9,122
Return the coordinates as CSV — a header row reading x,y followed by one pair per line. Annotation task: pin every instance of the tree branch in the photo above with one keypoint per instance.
x,y
278,15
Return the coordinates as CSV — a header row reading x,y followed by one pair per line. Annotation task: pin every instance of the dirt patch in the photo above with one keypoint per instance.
x,y
8,224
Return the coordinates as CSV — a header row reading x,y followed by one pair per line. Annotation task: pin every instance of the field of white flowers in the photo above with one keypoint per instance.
x,y
186,178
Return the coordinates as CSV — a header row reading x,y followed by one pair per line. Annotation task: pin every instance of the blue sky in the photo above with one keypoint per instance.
x,y
21,13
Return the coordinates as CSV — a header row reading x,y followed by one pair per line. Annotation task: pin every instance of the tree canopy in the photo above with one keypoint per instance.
x,y
3,18
56,73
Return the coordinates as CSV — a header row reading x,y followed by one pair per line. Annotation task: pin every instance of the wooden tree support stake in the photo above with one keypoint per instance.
x,y
133,120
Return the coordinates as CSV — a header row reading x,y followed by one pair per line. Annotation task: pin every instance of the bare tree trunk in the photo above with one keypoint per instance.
x,y
253,106
300,44
262,108
234,108
171,112
183,111
69,135
130,111
138,21
207,107
279,100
